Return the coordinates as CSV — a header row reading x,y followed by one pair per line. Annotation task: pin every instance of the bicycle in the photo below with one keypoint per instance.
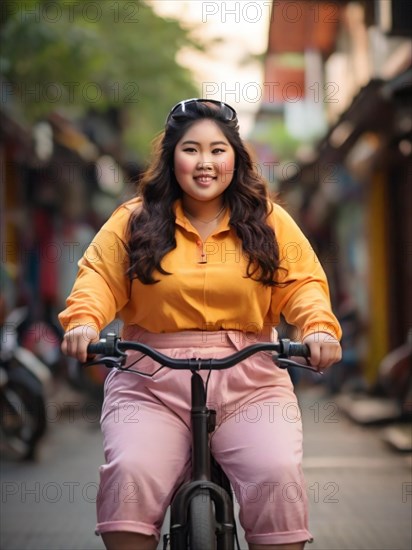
x,y
201,511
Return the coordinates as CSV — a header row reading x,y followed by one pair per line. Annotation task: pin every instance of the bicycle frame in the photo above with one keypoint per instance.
x,y
202,424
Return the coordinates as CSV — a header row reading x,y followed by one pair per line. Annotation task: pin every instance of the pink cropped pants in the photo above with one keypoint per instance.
x,y
257,441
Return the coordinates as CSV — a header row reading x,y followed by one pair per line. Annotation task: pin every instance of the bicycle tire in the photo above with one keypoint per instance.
x,y
202,523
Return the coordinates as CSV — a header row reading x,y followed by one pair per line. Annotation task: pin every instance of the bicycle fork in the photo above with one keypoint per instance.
x,y
203,423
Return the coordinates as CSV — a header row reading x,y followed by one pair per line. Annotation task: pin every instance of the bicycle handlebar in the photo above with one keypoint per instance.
x,y
112,347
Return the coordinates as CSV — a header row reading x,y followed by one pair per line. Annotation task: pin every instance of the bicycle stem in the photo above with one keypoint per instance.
x,y
201,468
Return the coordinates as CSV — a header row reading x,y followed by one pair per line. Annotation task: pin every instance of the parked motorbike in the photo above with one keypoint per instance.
x,y
24,382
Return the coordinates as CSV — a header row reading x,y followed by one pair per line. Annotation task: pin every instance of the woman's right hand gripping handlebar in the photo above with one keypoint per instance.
x,y
76,340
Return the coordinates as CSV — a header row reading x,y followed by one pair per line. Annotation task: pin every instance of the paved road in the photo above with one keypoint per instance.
x,y
360,491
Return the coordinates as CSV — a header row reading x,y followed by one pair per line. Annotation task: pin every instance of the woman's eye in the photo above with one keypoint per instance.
x,y
189,150
217,151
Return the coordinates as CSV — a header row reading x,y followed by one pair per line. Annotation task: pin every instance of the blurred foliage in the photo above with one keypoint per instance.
x,y
74,56
274,131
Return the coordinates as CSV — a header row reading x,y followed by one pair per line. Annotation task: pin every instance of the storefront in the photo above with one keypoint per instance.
x,y
355,204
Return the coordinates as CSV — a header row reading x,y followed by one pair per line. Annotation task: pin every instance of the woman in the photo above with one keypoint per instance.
x,y
201,264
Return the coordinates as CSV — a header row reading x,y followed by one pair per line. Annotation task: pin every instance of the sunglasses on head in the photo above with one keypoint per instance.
x,y
183,106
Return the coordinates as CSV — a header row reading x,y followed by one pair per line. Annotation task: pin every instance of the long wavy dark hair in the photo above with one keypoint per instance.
x,y
151,230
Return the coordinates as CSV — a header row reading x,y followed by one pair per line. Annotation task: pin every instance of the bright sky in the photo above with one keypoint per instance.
x,y
243,27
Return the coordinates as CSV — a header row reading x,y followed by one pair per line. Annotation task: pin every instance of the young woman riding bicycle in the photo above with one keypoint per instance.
x,y
201,262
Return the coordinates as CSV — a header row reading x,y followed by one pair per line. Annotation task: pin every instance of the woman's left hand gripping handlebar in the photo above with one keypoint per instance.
x,y
325,349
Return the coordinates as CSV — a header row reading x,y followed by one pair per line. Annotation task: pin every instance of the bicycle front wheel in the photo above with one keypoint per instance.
x,y
202,523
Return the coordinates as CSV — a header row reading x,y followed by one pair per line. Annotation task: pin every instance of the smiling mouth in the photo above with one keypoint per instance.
x,y
204,179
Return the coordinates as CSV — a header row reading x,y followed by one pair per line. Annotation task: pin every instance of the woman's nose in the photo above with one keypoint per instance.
x,y
205,163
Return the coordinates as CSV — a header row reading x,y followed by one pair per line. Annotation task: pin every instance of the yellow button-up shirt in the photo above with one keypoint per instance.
x,y
208,288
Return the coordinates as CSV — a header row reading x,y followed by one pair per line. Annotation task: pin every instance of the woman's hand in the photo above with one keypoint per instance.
x,y
75,341
325,350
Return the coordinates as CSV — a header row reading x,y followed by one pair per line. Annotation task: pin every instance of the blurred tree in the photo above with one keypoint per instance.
x,y
274,131
73,56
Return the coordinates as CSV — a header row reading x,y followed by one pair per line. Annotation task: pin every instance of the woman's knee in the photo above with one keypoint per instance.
x,y
276,466
271,480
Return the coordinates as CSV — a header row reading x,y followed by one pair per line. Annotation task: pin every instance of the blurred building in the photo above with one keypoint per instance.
x,y
334,138
60,180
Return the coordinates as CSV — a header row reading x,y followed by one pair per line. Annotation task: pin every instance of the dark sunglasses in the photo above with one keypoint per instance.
x,y
181,107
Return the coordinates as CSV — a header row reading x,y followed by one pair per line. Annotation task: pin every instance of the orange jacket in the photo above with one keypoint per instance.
x,y
213,295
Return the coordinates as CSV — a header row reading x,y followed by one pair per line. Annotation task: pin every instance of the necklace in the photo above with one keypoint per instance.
x,y
205,221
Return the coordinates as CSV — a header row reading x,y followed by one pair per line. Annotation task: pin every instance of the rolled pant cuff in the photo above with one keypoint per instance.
x,y
286,537
129,526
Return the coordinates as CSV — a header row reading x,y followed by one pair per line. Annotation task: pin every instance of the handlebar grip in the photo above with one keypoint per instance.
x,y
105,346
98,348
298,350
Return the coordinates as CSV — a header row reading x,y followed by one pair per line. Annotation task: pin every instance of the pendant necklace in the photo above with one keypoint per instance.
x,y
203,257
205,221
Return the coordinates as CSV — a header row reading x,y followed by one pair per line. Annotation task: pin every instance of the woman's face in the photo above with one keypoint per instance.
x,y
204,162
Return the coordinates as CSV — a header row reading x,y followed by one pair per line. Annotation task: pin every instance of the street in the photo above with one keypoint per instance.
x,y
360,491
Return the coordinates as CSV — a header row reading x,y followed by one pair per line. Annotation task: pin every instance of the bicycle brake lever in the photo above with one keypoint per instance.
x,y
106,361
284,363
